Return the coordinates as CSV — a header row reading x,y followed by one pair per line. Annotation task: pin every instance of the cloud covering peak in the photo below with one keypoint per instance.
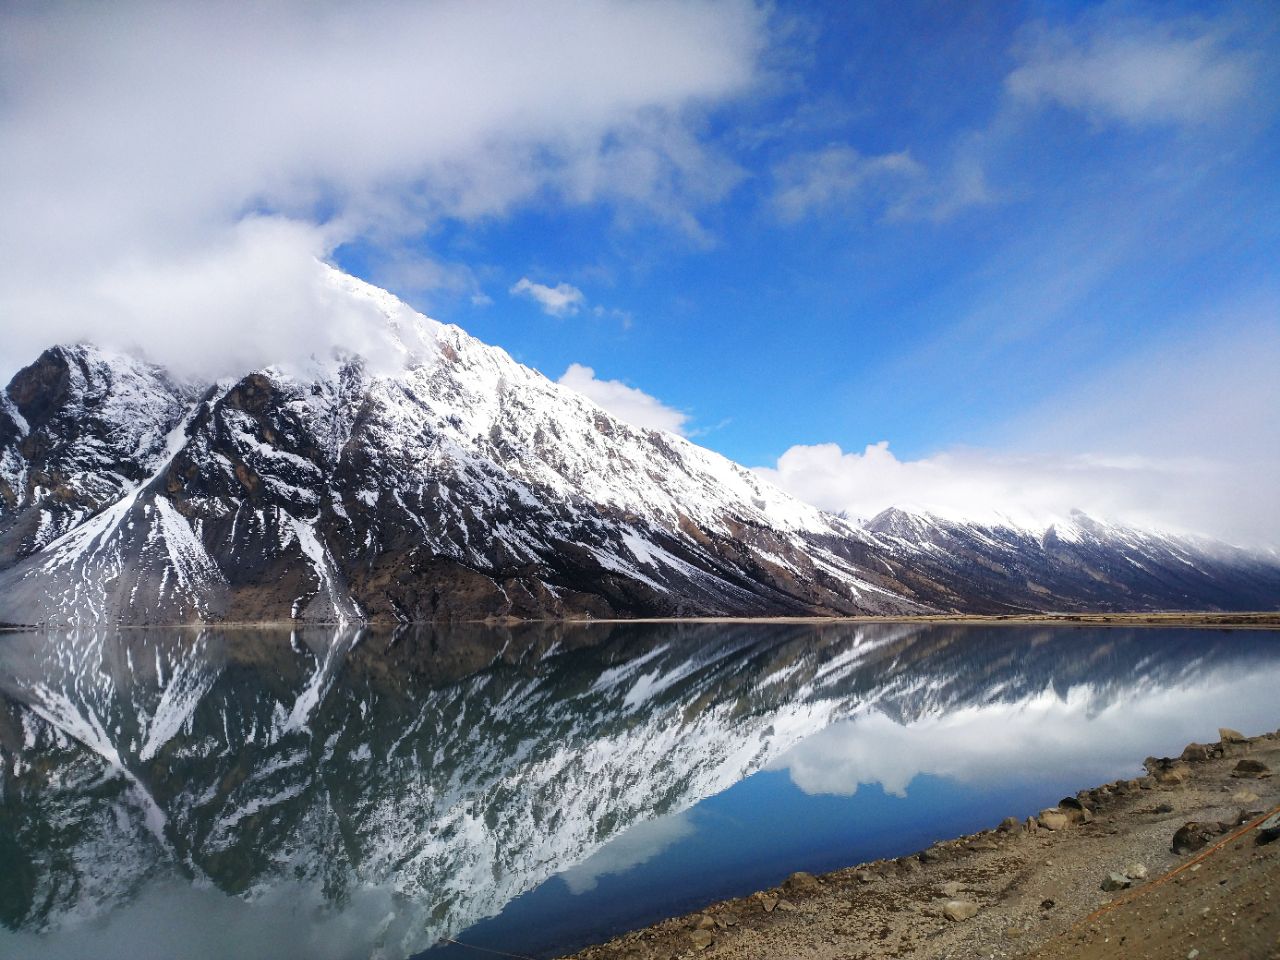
x,y
171,166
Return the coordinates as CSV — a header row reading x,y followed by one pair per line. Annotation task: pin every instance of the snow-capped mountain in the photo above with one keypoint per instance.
x,y
452,769
1072,564
440,479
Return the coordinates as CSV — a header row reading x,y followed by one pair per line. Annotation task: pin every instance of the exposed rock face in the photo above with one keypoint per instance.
x,y
454,483
78,428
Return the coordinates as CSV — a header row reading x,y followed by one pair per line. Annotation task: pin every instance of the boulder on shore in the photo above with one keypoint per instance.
x,y
959,910
1196,752
1195,834
1251,769
801,882
1269,829
1116,881
1053,820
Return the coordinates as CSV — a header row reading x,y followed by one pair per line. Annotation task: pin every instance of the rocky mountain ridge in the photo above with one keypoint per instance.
x,y
448,482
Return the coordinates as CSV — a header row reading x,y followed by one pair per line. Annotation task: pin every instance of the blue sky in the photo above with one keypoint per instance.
x,y
1018,242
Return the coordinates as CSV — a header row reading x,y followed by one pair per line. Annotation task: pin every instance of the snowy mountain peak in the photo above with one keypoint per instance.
x,y
430,476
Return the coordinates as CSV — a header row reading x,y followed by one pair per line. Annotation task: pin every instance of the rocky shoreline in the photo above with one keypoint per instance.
x,y
1177,863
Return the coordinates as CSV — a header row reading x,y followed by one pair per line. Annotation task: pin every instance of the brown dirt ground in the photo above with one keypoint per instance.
x,y
1037,891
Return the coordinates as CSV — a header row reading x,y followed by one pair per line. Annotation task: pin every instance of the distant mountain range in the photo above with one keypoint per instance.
x,y
445,481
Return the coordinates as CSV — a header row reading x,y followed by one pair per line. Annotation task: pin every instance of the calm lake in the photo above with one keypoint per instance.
x,y
345,793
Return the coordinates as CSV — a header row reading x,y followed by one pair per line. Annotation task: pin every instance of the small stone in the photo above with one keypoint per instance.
x,y
1227,735
1164,808
1244,816
1245,796
1116,881
1250,768
1192,953
959,910
1136,871
951,890
701,939
1013,933
786,906
864,876
1146,783
1008,825
768,902
1269,829
802,883
703,922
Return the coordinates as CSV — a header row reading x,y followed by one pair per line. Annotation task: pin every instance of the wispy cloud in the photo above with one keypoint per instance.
x,y
624,317
831,178
1133,71
638,844
1110,69
562,300
627,403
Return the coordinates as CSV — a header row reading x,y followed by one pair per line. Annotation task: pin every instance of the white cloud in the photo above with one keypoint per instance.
x,y
982,484
1133,71
811,182
639,844
1181,438
1086,729
562,300
627,403
193,308
138,136
170,917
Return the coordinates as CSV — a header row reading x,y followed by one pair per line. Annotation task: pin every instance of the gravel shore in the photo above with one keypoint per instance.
x,y
1036,888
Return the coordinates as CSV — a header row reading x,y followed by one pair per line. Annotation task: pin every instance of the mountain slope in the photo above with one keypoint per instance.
x,y
1075,564
435,478
454,483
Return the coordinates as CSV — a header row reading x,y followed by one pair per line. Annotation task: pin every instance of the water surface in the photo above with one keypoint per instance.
x,y
354,793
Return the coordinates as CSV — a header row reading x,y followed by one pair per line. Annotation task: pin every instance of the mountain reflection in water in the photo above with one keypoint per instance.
x,y
355,793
